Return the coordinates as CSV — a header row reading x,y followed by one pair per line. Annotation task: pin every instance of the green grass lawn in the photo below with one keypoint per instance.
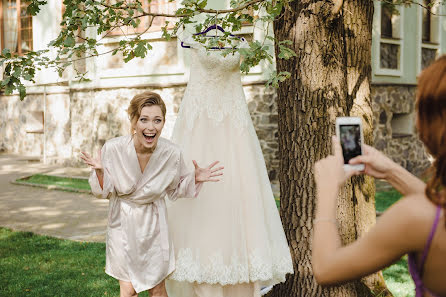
x,y
51,180
34,265
398,279
384,199
397,276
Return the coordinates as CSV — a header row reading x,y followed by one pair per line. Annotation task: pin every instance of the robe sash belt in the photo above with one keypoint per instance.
x,y
159,206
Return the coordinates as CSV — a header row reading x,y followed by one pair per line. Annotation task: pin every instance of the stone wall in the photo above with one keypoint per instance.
x,y
394,122
83,119
24,123
263,109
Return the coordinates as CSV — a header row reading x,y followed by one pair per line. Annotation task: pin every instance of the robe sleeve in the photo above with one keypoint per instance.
x,y
108,187
183,185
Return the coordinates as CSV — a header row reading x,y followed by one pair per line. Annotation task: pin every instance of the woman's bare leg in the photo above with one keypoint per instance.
x,y
158,291
127,290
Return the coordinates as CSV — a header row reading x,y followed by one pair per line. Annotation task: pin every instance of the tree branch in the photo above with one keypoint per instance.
x,y
410,2
202,10
116,48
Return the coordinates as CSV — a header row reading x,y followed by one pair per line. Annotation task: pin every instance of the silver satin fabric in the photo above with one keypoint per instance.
x,y
139,249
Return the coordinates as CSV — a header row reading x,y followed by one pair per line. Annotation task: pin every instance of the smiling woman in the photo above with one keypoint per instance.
x,y
136,172
147,112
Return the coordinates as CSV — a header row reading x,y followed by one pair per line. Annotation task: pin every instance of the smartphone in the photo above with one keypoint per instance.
x,y
349,133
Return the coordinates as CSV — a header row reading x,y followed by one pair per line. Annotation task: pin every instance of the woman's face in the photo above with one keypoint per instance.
x,y
148,127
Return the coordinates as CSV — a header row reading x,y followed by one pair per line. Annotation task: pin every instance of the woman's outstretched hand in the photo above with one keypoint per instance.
x,y
95,163
376,164
207,174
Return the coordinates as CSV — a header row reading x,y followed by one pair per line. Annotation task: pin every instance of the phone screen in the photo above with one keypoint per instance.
x,y
350,137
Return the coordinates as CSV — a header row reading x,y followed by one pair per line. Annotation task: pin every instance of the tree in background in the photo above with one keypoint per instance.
x,y
331,77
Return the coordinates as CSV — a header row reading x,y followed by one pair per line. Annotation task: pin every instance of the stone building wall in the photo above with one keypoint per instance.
x,y
83,119
22,125
394,122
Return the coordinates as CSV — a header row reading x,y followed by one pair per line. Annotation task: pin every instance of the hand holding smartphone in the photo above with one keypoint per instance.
x,y
350,135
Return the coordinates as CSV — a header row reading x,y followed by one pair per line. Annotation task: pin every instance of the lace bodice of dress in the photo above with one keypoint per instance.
x,y
214,88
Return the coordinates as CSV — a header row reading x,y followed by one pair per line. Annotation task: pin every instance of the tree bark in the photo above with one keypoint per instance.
x,y
330,77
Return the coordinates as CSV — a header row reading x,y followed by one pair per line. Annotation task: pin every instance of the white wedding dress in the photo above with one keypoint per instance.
x,y
231,233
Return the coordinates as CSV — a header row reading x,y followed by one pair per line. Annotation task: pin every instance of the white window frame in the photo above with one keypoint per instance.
x,y
435,32
398,26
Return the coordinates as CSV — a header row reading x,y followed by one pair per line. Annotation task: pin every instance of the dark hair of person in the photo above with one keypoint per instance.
x,y
431,109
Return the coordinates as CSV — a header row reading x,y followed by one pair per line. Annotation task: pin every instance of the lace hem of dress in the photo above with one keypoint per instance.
x,y
272,270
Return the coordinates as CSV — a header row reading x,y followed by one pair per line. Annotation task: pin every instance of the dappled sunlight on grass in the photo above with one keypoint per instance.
x,y
384,199
33,265
398,279
74,183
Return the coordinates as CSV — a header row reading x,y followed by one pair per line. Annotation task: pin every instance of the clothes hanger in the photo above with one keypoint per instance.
x,y
214,27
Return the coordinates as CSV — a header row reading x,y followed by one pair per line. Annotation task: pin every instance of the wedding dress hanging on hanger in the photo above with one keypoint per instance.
x,y
229,240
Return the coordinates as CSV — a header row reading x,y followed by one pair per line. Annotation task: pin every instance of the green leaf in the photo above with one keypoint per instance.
x,y
34,7
285,52
17,71
286,42
140,50
8,68
22,91
9,88
275,10
69,41
129,56
5,81
7,53
202,4
27,76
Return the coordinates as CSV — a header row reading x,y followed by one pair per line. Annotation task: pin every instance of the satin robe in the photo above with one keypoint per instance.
x,y
138,247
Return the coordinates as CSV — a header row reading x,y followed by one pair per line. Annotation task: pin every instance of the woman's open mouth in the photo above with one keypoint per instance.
x,y
150,137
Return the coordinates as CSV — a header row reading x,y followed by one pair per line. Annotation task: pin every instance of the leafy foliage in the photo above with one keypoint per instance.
x,y
100,17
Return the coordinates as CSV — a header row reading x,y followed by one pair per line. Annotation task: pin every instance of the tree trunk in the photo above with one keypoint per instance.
x,y
330,77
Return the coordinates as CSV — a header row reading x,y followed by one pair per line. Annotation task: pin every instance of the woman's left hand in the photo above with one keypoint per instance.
x,y
207,174
329,172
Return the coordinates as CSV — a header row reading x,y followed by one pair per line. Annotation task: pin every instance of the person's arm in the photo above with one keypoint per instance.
x,y
380,166
385,243
189,183
404,181
392,237
100,176
97,176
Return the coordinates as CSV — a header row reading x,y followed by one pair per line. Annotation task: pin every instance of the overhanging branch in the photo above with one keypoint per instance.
x,y
201,10
413,2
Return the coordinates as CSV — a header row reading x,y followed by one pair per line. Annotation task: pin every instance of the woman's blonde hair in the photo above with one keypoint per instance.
x,y
139,102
